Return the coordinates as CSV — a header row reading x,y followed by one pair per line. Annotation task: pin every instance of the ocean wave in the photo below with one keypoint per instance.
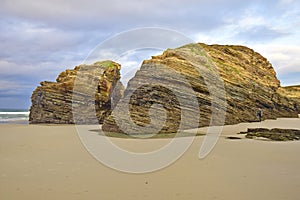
x,y
14,113
14,116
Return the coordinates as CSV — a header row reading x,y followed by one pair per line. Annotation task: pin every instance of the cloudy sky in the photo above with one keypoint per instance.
x,y
41,38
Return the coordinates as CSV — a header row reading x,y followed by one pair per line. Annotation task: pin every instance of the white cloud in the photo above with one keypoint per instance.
x,y
131,62
250,20
285,58
234,25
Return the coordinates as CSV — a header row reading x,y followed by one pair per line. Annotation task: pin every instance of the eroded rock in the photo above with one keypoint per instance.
x,y
275,134
97,88
248,79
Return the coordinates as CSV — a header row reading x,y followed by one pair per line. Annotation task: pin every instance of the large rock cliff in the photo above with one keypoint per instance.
x,y
61,103
248,82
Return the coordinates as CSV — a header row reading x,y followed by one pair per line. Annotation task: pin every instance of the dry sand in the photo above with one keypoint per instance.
x,y
49,162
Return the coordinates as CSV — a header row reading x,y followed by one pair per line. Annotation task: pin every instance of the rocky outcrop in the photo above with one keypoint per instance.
x,y
77,95
234,80
275,134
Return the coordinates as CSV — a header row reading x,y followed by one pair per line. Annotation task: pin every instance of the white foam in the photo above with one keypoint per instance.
x,y
14,113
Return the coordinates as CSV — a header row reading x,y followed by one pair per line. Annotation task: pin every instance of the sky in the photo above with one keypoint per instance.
x,y
41,38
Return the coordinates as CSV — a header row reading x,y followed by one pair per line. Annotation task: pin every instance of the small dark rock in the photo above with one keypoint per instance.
x,y
233,138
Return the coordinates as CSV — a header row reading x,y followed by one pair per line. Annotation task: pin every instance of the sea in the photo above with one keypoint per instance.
x,y
14,116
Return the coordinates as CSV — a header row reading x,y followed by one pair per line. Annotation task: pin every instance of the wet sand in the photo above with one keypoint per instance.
x,y
49,162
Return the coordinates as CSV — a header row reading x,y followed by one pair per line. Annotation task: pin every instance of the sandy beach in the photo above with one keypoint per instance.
x,y
49,162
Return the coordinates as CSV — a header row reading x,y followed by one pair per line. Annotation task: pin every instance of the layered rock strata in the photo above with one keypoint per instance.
x,y
84,95
227,83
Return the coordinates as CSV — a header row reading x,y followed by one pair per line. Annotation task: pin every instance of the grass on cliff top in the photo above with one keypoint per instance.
x,y
156,136
106,63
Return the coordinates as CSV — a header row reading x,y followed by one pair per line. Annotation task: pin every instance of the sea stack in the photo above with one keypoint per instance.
x,y
97,88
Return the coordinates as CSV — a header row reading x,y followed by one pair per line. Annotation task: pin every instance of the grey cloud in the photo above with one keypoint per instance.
x,y
29,41
259,34
118,14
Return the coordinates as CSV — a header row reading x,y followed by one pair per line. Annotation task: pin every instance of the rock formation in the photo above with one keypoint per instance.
x,y
192,86
275,134
173,79
77,95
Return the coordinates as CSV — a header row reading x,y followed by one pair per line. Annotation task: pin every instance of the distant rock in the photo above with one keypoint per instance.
x,y
292,92
248,78
52,101
275,134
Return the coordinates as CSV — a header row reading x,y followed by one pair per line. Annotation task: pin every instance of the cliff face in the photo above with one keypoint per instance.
x,y
249,81
52,101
